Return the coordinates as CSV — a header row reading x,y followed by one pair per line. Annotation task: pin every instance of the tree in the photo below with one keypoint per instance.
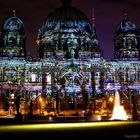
x,y
57,102
31,107
18,104
134,108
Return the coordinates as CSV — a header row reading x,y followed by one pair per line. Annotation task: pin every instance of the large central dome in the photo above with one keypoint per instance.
x,y
67,25
67,18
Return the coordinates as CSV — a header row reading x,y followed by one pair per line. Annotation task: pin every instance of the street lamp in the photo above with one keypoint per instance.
x,y
40,99
110,99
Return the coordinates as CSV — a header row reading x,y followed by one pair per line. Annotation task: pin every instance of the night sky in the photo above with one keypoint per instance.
x,y
108,13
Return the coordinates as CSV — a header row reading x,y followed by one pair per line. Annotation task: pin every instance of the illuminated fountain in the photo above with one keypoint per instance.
x,y
118,110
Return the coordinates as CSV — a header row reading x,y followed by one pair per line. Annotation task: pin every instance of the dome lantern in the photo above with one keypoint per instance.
x,y
66,2
14,12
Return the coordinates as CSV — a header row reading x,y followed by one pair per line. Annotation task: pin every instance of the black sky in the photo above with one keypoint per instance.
x,y
108,13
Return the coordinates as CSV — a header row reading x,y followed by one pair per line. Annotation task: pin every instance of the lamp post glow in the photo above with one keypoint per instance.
x,y
40,102
40,99
110,99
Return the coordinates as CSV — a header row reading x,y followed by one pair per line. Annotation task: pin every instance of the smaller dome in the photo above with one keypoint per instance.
x,y
126,26
13,23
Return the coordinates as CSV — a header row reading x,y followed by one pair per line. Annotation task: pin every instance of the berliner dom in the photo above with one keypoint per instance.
x,y
70,76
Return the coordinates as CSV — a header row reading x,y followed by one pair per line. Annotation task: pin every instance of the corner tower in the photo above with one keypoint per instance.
x,y
127,41
13,38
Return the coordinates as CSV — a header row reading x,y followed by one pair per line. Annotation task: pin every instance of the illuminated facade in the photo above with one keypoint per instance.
x,y
70,73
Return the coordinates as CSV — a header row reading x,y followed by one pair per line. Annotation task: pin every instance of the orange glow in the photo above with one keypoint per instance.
x,y
110,99
40,99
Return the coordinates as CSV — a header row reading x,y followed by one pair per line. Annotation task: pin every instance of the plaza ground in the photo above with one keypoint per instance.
x,y
49,129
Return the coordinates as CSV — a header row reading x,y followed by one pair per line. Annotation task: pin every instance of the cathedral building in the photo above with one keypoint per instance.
x,y
69,74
